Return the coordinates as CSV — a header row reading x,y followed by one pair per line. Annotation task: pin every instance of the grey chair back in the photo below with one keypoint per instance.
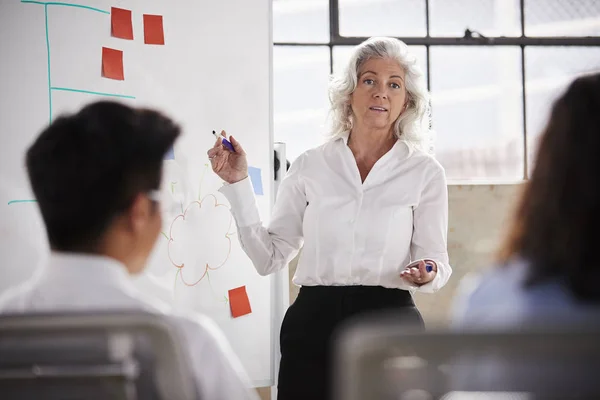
x,y
379,358
101,355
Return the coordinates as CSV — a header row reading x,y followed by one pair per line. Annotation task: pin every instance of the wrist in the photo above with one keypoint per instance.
x,y
237,179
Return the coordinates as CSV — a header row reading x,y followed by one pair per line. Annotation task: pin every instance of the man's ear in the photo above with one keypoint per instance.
x,y
139,212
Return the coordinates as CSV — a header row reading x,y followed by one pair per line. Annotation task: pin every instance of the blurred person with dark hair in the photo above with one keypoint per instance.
x,y
96,176
547,275
548,263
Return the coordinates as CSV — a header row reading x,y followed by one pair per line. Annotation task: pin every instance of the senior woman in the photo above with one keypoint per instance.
x,y
369,209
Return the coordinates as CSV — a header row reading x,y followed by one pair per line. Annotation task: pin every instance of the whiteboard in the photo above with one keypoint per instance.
x,y
212,73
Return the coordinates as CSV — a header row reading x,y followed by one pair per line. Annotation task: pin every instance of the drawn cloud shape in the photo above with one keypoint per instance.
x,y
200,239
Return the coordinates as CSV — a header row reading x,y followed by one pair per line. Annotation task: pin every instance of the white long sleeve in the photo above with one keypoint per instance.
x,y
272,248
351,232
430,230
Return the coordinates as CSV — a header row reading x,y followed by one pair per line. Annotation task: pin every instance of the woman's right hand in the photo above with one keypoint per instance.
x,y
230,166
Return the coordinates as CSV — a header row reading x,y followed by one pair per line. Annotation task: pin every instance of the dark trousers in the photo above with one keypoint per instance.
x,y
309,326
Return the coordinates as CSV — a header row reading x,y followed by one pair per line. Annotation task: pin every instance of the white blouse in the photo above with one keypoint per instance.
x,y
351,233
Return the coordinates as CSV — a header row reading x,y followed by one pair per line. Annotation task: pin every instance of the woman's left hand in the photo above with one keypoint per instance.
x,y
416,273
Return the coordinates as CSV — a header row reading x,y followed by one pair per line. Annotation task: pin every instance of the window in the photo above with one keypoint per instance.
x,y
382,18
549,70
562,18
450,18
477,111
493,69
300,101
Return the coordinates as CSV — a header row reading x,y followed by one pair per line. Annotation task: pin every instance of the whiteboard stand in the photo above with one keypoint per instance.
x,y
281,280
279,165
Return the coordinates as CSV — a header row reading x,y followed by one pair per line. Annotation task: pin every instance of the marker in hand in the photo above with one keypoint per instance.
x,y
411,272
428,265
225,142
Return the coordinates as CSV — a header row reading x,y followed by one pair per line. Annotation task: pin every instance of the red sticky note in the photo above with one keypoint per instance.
x,y
112,64
120,21
153,29
238,302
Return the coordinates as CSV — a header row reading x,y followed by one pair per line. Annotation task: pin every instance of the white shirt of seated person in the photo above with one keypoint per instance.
x,y
88,282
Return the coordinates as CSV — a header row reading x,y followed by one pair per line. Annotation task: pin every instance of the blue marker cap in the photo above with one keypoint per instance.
x,y
225,142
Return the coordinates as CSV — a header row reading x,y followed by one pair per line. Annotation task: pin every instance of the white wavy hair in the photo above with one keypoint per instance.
x,y
412,126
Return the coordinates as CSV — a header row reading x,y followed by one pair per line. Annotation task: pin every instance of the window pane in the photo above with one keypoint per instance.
x,y
477,112
301,21
341,56
549,70
301,75
488,17
562,18
382,18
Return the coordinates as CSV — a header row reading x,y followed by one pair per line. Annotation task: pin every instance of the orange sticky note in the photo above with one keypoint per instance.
x,y
153,29
238,302
112,64
120,21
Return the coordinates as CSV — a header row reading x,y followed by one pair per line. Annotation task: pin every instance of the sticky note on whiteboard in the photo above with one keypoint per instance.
x,y
255,177
121,26
112,64
239,302
153,29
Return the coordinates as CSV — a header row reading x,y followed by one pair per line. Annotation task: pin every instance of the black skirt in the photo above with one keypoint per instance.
x,y
309,326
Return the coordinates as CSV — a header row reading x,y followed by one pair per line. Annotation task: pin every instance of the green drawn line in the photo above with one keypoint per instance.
x,y
175,282
165,235
53,3
21,201
48,52
91,92
212,290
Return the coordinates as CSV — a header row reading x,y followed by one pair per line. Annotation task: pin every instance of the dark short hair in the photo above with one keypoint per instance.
x,y
558,215
87,168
